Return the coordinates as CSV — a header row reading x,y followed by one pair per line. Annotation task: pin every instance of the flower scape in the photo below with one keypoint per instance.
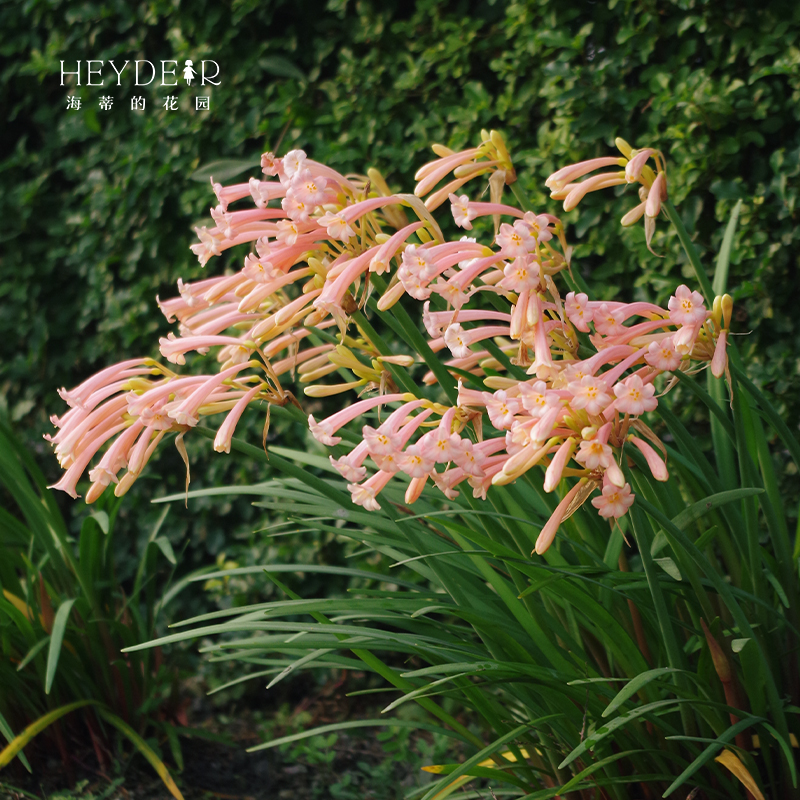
x,y
545,379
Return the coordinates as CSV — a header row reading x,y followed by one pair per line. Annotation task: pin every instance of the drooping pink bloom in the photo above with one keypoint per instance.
x,y
459,339
614,501
222,441
324,431
719,361
654,461
431,173
548,532
553,473
365,494
462,213
657,193
633,169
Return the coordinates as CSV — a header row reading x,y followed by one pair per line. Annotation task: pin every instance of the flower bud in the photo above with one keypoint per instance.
x,y
727,310
716,312
623,147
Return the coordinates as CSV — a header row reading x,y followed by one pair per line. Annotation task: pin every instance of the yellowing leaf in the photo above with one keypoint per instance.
x,y
731,761
145,749
36,727
452,787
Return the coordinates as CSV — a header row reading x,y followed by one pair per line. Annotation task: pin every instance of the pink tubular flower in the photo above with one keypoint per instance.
x,y
590,393
380,260
502,409
608,322
186,412
173,348
633,397
350,466
576,308
558,180
594,454
515,240
521,275
431,173
684,338
417,461
552,475
365,494
537,398
324,431
663,355
614,501
69,480
657,193
80,393
719,362
222,441
657,466
686,307
293,162
458,339
337,226
116,457
468,457
633,169
593,184
548,532
462,213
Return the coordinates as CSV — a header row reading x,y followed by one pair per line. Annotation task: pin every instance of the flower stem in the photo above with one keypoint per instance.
x,y
522,198
690,249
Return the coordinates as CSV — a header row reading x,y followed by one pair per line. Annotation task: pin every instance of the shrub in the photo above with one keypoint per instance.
x,y
697,624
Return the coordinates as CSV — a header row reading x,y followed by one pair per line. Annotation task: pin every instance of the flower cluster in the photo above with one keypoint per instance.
x,y
559,382
652,185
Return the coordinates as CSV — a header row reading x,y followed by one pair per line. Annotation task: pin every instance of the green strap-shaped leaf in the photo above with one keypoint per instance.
x,y
633,686
5,729
487,752
618,722
710,751
56,639
32,653
359,723
223,169
724,257
690,249
593,767
701,507
769,412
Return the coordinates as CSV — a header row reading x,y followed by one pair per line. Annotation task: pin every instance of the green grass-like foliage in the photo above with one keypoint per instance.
x,y
64,619
648,653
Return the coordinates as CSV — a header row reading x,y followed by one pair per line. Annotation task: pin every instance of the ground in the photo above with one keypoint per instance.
x,y
368,764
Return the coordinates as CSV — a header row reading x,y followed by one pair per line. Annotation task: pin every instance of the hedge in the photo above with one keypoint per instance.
x,y
98,206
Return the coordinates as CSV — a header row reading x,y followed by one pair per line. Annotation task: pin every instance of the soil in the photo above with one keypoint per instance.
x,y
212,769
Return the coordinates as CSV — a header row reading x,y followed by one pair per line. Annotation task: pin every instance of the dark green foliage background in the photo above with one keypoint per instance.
x,y
97,206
